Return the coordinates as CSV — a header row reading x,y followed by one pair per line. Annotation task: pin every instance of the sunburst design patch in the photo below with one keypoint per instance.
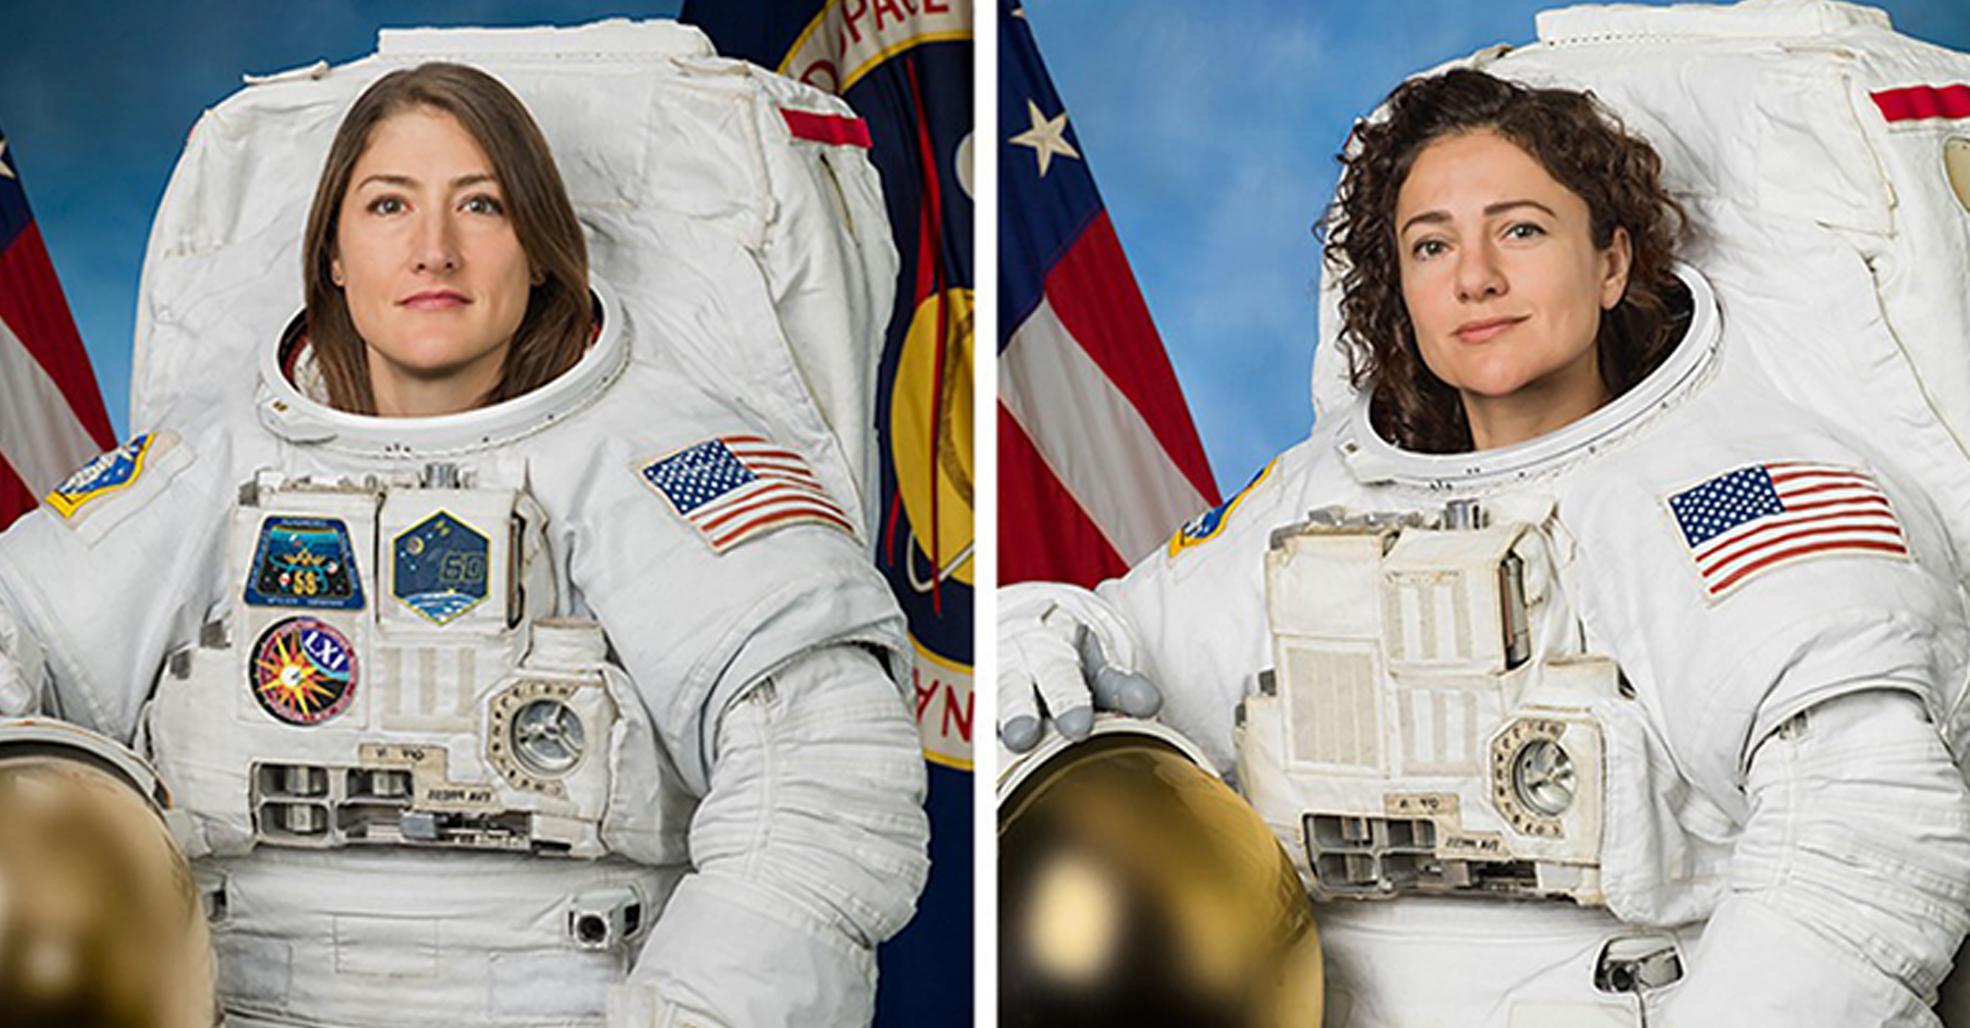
x,y
302,671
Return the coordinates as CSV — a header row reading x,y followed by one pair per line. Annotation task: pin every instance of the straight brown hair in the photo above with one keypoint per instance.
x,y
560,317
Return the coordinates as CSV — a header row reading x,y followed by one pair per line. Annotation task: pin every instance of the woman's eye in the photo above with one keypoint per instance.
x,y
1524,230
1427,248
386,205
482,205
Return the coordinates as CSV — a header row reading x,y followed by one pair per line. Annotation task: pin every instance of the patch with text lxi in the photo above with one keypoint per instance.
x,y
302,671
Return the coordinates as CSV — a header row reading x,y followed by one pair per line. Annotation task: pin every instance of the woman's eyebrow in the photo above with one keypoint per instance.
x,y
1506,205
408,182
387,179
1429,217
1490,211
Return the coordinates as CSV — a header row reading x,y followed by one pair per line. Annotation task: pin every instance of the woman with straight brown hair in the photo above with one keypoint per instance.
x,y
354,333
512,675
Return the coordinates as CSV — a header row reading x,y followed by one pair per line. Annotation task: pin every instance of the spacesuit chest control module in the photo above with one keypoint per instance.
x,y
390,671
1429,722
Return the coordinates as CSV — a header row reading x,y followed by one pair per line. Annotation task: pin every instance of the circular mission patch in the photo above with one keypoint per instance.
x,y
302,671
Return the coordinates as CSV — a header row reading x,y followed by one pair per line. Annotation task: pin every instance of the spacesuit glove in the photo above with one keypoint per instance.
x,y
1849,890
1064,649
810,848
20,669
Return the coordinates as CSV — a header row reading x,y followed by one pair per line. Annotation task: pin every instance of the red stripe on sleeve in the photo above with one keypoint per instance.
x,y
833,129
1912,103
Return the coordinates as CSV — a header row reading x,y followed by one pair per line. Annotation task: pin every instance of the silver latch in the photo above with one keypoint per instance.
x,y
605,918
440,474
1638,964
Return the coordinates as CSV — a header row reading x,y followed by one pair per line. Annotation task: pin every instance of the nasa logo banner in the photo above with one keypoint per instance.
x,y
905,66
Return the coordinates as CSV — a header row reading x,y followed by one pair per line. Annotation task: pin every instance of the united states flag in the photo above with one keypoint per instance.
x,y
1098,458
736,486
1760,517
51,413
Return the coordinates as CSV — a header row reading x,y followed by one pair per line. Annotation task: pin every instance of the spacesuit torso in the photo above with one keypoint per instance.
x,y
439,694
1538,673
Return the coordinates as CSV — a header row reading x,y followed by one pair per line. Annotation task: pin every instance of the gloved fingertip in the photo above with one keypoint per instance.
x,y
1139,698
1021,733
1075,724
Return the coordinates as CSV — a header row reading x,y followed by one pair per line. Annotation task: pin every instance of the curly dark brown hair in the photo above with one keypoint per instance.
x,y
1578,143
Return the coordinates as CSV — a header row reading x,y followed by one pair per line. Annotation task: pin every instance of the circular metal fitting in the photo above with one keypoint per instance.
x,y
1542,777
547,737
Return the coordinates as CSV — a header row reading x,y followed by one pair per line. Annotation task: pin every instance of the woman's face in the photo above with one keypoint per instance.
x,y
436,280
1502,280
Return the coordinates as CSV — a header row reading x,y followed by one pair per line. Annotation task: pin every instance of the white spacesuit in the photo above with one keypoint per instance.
x,y
576,706
1695,662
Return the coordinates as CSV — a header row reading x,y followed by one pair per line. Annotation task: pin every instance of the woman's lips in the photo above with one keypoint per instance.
x,y
1474,332
434,300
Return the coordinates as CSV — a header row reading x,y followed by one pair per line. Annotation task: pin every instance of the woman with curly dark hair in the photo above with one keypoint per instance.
x,y
1392,238
1571,607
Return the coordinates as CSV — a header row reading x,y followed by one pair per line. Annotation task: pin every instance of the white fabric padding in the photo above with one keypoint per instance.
x,y
668,152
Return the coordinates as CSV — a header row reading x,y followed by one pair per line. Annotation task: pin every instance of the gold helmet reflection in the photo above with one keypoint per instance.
x,y
100,924
1135,887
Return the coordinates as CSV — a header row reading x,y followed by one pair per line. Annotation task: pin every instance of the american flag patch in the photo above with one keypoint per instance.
x,y
737,486
1763,516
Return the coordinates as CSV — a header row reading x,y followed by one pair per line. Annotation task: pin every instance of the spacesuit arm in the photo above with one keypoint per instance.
x,y
23,675
1849,889
810,848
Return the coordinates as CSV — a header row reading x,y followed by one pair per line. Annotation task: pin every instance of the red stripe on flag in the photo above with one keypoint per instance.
x,y
15,497
1095,296
1801,551
1912,103
1840,526
1044,535
833,129
733,534
32,305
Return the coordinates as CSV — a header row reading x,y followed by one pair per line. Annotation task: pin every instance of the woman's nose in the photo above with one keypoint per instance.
x,y
1478,275
433,248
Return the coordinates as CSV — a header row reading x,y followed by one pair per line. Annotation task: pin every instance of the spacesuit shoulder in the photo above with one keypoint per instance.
x,y
1273,496
707,549
116,567
1747,561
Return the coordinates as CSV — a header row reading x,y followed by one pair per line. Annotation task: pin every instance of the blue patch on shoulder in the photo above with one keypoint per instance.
x,y
105,473
1207,525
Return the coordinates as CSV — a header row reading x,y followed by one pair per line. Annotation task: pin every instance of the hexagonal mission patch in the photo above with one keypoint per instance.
x,y
440,567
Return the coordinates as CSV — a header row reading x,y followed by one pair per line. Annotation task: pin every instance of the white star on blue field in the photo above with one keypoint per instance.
x,y
1211,129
